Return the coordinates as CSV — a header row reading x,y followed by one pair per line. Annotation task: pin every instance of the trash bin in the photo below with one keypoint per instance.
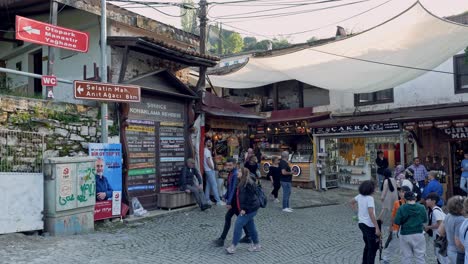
x,y
69,195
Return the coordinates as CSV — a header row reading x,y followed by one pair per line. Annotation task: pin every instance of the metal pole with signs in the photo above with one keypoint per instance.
x,y
104,114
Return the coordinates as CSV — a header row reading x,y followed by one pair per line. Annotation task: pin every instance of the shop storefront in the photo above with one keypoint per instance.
x,y
346,154
288,130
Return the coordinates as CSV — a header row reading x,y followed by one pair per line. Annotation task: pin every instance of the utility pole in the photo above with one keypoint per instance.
x,y
103,69
202,15
51,50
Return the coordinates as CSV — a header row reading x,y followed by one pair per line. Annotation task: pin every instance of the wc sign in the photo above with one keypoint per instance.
x,y
49,80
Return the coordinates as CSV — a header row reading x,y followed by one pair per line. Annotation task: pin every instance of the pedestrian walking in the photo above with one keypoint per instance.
x,y
367,220
389,195
411,218
464,176
463,235
400,175
211,182
274,174
382,165
231,196
420,172
392,246
451,228
248,204
434,186
286,179
252,165
187,184
436,217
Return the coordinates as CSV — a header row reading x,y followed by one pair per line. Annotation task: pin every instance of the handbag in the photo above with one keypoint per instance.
x,y
441,243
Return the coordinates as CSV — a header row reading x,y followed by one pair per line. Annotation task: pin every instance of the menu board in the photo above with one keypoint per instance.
x,y
141,139
171,154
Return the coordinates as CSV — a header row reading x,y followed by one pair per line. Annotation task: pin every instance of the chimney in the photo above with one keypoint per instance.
x,y
340,33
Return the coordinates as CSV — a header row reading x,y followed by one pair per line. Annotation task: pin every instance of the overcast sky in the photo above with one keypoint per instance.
x,y
326,19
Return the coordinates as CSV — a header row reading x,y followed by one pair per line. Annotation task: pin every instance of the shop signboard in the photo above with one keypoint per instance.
x,y
425,124
108,174
442,124
457,132
106,92
409,125
460,123
171,154
371,127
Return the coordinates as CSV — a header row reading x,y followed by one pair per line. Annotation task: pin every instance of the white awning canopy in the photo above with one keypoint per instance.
x,y
382,57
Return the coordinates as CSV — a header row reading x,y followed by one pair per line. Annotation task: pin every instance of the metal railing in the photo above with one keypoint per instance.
x,y
21,152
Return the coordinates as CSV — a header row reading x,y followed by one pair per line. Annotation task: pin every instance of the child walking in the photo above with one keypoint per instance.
x,y
367,220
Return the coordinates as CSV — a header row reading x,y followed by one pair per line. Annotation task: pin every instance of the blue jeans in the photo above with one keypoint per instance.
x,y
246,220
380,179
211,186
422,184
286,193
463,184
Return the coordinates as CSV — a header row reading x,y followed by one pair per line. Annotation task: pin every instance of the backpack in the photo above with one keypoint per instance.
x,y
416,188
262,199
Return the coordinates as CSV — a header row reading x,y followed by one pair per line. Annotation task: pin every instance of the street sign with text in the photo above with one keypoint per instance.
x,y
46,34
106,92
49,80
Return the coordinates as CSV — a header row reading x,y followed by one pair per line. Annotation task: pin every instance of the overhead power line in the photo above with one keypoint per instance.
x,y
269,16
274,9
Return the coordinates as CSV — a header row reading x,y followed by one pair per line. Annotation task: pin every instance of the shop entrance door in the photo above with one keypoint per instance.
x,y
457,149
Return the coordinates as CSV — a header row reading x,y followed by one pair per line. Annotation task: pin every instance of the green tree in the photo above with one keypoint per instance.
x,y
249,42
280,43
311,40
188,17
233,44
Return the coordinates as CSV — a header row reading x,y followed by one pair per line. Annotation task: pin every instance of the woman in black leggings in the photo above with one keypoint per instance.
x,y
275,175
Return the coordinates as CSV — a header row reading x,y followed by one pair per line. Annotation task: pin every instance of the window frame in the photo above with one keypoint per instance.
x,y
456,85
374,99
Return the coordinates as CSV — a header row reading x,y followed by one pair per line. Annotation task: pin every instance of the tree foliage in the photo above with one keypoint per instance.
x,y
234,43
188,17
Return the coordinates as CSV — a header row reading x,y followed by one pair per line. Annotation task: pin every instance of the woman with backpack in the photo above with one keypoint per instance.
x,y
451,229
367,220
248,203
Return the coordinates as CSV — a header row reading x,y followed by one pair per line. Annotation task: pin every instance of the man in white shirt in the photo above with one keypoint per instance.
x,y
436,217
208,166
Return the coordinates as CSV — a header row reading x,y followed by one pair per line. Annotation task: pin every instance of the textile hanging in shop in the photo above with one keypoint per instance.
x,y
363,62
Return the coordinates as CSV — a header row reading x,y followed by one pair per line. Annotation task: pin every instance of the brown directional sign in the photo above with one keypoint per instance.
x,y
106,92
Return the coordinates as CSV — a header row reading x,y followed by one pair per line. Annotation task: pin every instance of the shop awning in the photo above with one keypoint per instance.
x,y
413,114
298,114
217,106
382,57
163,50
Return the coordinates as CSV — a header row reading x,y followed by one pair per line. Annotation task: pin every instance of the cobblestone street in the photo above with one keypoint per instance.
x,y
311,234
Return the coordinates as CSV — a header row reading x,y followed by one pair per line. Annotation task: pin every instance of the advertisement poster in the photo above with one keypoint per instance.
x,y
108,173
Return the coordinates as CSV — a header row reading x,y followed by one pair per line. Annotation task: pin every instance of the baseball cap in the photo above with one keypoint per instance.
x,y
410,196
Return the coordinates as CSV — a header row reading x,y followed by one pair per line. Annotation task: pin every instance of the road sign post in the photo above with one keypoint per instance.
x,y
106,92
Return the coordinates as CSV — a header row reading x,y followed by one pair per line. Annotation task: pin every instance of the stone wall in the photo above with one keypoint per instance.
x,y
68,128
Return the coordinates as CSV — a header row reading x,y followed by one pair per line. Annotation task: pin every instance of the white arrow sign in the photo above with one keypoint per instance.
x,y
30,30
80,89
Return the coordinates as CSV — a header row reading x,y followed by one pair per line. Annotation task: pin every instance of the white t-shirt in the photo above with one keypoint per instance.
x,y
437,215
364,202
208,159
406,182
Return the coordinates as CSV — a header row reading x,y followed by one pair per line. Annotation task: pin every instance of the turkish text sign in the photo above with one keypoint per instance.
x,y
46,34
106,92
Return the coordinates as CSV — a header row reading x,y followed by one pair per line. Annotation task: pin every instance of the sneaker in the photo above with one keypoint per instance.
x,y
272,197
292,210
219,242
287,210
255,248
277,200
221,203
231,249
245,240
